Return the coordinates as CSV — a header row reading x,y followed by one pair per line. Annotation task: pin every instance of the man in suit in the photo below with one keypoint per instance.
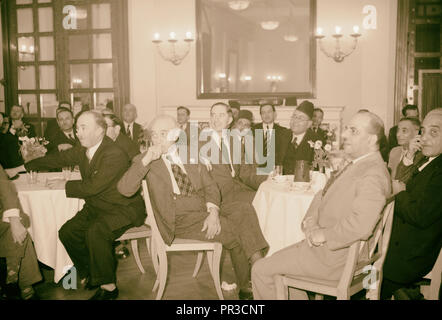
x,y
269,129
298,147
16,244
183,116
318,117
346,211
416,236
187,202
131,128
114,126
409,111
52,127
64,138
106,215
244,122
18,126
225,157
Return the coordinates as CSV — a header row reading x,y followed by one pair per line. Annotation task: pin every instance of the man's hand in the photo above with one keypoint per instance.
x,y
64,147
18,230
212,224
56,184
398,186
207,163
153,153
316,237
16,124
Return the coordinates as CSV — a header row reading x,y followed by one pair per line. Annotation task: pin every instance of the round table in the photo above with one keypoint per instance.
x,y
281,208
48,210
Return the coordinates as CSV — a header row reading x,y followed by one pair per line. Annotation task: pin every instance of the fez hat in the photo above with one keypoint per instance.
x,y
306,107
246,114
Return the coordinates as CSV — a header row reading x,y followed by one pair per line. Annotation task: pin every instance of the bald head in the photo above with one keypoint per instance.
x,y
164,131
432,133
91,128
129,113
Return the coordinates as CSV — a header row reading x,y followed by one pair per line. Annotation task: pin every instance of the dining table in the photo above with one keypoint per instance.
x,y
281,204
48,209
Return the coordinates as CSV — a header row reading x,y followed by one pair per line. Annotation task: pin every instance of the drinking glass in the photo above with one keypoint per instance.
x,y
278,170
67,173
32,177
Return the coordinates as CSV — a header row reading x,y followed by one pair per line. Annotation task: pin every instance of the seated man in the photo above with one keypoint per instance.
x,y
416,236
408,152
318,117
16,245
89,236
347,210
52,127
409,111
64,137
298,147
132,129
187,202
114,126
237,180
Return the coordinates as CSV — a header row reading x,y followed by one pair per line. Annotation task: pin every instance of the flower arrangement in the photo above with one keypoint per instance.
x,y
330,131
321,158
22,131
32,148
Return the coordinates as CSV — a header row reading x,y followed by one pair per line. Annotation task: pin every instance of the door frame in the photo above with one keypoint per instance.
x,y
420,86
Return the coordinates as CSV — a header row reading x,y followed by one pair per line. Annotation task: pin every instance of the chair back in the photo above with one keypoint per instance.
x,y
381,234
156,235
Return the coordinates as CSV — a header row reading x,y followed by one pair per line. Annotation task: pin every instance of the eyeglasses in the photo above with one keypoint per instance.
x,y
159,134
299,119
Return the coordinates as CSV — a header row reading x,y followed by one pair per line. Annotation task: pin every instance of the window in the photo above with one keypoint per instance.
x,y
55,54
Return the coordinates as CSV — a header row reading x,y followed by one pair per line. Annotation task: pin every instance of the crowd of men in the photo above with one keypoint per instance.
x,y
211,199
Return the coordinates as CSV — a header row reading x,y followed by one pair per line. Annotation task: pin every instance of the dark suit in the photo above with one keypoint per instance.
x,y
127,145
183,216
281,140
10,156
137,130
106,215
416,237
241,187
303,152
59,138
392,138
22,255
321,134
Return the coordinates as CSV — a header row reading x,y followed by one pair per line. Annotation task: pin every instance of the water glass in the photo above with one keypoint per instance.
x,y
278,170
32,177
66,173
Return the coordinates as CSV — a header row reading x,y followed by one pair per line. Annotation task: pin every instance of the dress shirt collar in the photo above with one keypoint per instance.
x,y
362,157
69,134
268,126
426,163
91,151
299,137
131,125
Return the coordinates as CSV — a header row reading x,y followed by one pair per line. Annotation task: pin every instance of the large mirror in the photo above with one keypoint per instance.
x,y
256,48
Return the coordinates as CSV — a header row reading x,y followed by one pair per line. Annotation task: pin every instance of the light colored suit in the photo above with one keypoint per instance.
x,y
348,212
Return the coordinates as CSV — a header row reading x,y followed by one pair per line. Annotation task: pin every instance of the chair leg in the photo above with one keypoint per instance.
x,y
153,255
148,239
281,288
162,274
199,262
214,259
134,245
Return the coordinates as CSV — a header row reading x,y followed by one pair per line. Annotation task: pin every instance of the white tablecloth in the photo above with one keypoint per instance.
x,y
48,211
280,211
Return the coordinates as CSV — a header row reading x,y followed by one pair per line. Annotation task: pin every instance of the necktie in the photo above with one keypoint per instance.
x,y
266,139
128,131
334,178
182,180
71,136
295,142
225,152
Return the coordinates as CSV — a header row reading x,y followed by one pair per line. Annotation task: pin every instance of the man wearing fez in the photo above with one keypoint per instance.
x,y
298,147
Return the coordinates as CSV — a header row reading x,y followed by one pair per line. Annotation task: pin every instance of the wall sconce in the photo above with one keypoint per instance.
x,y
274,80
338,55
172,55
239,5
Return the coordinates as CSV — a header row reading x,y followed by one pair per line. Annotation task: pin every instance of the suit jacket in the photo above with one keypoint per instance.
x,y
127,145
10,156
405,173
241,187
281,140
98,186
137,131
348,212
161,190
60,138
416,237
302,152
322,135
392,139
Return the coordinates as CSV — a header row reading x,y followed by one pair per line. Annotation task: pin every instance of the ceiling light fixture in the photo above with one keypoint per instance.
x,y
269,25
239,5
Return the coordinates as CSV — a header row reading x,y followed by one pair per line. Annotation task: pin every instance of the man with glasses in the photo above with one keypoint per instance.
x,y
345,211
298,147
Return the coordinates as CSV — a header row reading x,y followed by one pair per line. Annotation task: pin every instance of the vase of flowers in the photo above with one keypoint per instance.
x,y
321,159
32,148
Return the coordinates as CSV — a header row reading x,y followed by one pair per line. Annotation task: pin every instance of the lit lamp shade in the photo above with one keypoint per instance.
x,y
239,5
290,38
270,25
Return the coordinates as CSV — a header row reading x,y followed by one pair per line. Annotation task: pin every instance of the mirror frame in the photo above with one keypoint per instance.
x,y
255,95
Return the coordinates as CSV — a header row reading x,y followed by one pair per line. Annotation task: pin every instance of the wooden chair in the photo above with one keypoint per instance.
x,y
159,252
133,234
353,277
435,277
